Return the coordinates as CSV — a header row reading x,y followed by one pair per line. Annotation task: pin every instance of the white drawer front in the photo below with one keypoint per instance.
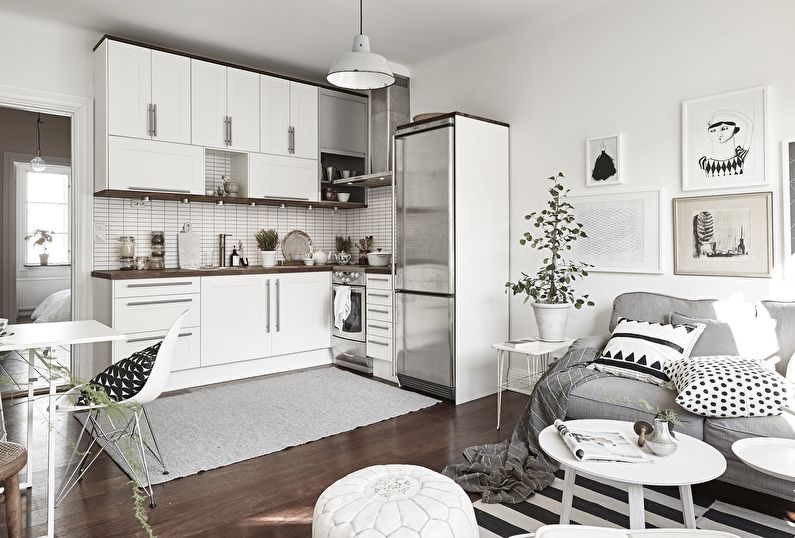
x,y
379,297
379,282
187,352
140,314
379,348
379,313
146,287
379,329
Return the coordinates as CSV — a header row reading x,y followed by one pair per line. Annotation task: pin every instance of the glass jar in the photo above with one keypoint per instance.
x,y
157,264
158,238
141,263
158,251
126,263
126,246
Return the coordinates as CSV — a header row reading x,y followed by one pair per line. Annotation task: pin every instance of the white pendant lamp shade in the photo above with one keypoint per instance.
x,y
361,69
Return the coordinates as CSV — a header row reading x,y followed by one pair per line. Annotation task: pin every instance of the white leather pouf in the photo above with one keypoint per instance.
x,y
399,501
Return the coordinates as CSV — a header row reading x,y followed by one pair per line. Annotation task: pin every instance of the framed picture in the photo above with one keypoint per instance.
x,y
623,231
726,235
723,140
603,160
788,189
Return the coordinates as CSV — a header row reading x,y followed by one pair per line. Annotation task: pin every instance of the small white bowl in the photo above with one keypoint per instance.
x,y
343,196
309,261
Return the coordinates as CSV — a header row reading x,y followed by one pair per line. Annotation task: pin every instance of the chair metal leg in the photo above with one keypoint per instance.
x,y
142,452
156,453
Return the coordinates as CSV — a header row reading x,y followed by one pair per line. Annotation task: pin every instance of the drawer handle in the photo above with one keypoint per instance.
x,y
379,279
156,189
384,295
159,284
377,343
164,301
378,311
382,327
150,338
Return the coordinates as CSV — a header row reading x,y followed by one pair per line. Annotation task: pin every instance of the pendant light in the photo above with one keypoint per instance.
x,y
37,163
360,69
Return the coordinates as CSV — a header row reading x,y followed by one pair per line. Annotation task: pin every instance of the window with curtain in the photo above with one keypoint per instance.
x,y
44,205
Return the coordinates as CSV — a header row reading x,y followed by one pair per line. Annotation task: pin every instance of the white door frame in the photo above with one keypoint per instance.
x,y
81,112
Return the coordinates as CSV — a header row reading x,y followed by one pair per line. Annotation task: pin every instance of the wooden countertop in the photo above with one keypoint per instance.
x,y
117,274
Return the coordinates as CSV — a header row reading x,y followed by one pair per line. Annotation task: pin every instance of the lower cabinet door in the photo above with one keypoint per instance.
x,y
187,353
235,318
302,312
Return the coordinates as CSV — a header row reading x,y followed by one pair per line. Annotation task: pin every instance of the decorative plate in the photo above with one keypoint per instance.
x,y
296,245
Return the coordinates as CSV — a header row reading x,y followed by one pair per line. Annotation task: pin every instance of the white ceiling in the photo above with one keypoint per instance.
x,y
300,37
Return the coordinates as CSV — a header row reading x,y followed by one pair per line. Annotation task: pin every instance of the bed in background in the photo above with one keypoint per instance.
x,y
56,307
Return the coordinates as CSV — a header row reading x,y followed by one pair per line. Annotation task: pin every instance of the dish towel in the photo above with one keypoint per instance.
x,y
342,305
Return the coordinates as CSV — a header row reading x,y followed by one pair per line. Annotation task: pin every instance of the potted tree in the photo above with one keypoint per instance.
x,y
43,238
552,287
267,241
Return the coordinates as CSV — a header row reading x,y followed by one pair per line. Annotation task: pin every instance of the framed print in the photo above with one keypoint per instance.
x,y
603,160
726,235
623,231
723,140
788,189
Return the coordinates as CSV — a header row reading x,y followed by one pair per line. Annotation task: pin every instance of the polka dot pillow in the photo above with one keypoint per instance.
x,y
726,386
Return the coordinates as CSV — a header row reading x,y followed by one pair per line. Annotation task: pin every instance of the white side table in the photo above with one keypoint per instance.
x,y
770,455
538,355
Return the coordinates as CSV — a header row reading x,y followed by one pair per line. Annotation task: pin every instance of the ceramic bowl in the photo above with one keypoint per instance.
x,y
379,259
309,261
343,196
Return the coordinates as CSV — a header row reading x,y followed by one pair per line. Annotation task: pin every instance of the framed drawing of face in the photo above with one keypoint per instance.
x,y
724,140
725,235
603,160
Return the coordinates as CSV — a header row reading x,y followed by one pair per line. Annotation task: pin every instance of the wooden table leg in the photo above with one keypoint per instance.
x,y
688,511
637,509
568,494
13,510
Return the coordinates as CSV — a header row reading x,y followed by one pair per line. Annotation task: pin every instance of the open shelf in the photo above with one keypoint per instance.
x,y
177,197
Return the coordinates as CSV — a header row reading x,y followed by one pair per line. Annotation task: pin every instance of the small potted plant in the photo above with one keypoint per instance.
x,y
343,246
267,241
43,238
552,287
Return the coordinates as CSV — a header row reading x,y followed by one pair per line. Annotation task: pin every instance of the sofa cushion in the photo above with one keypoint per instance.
x,y
717,338
627,399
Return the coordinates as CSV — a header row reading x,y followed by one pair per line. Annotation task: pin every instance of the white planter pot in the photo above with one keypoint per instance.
x,y
551,320
268,258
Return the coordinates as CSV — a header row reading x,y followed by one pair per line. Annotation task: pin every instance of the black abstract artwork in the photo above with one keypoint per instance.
x,y
604,167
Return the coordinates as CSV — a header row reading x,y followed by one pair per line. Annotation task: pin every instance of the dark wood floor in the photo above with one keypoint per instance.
x,y
270,496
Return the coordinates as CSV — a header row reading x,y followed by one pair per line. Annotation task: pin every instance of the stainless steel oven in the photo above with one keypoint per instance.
x,y
349,341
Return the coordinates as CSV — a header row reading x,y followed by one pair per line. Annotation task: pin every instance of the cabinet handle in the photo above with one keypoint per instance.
x,y
268,303
301,198
378,311
384,295
159,284
156,189
154,119
278,305
164,301
376,342
149,119
150,338
291,143
229,123
382,327
377,279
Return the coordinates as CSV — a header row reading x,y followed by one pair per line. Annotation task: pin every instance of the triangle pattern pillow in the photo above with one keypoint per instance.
x,y
641,349
124,379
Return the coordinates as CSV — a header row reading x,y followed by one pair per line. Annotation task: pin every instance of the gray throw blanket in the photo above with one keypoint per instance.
x,y
510,471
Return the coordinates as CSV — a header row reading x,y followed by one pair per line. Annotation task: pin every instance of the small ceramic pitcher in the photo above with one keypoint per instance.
x,y
660,441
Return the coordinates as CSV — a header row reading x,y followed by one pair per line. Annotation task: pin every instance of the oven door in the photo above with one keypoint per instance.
x,y
353,327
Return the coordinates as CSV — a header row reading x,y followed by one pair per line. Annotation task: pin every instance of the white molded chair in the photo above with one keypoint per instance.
x,y
584,531
129,427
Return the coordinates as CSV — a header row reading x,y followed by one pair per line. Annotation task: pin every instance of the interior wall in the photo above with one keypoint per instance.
x,y
625,67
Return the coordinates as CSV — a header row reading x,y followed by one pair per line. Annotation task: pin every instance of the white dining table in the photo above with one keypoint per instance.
x,y
32,337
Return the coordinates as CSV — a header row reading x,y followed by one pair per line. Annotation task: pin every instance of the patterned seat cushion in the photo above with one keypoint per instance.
x,y
394,500
124,379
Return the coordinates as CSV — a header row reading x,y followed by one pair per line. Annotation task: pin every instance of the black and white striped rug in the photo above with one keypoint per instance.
x,y
602,505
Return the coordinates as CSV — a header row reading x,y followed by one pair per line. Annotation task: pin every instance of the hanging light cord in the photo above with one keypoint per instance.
x,y
361,25
38,135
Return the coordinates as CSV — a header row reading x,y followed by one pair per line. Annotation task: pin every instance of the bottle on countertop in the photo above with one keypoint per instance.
x,y
234,258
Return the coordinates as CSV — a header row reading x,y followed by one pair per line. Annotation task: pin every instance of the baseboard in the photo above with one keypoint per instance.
x,y
220,373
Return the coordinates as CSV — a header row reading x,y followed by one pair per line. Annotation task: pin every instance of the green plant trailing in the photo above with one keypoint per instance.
x,y
267,239
557,229
343,244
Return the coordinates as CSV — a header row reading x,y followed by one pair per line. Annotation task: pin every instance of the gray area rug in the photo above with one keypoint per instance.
x,y
215,426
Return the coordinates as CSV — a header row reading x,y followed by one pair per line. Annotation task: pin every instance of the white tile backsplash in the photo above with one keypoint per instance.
x,y
240,221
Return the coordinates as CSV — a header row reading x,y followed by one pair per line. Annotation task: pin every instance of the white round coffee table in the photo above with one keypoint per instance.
x,y
769,455
693,462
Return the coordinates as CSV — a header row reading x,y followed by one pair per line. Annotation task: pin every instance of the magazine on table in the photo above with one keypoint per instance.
x,y
587,445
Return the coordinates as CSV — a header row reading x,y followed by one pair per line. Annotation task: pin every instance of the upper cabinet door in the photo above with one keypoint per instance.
x,y
171,97
129,90
343,123
277,176
274,110
242,108
208,104
303,119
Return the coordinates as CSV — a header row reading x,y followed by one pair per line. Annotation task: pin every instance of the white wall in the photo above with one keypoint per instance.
x,y
625,67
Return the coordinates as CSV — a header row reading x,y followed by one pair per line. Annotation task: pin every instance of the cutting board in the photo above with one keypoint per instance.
x,y
190,249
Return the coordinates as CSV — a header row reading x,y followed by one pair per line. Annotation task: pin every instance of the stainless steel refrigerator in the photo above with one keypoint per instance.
x,y
437,204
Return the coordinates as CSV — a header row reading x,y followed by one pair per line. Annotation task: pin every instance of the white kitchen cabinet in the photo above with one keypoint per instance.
x,y
343,123
187,354
302,312
277,176
170,97
380,323
288,118
224,106
148,165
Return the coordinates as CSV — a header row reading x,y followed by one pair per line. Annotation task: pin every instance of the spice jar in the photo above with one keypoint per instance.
x,y
157,259
126,246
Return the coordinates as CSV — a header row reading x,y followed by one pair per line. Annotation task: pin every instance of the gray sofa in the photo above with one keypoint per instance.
x,y
627,399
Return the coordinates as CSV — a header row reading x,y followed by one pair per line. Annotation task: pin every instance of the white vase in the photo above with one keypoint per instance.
x,y
551,320
268,258
661,442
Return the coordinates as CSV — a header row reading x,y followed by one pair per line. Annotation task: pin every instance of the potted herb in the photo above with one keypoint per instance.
x,y
43,238
267,241
343,246
552,287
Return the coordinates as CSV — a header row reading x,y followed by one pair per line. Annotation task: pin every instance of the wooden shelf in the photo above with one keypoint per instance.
x,y
177,197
